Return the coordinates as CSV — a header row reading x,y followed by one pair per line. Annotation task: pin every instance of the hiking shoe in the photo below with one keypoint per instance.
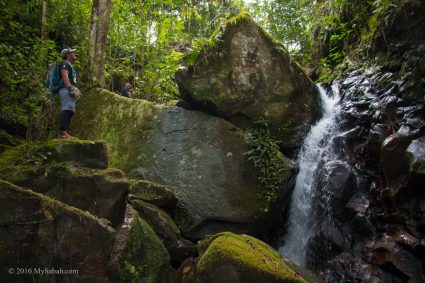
x,y
64,135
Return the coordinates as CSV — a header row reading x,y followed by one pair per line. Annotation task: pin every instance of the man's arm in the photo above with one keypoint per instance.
x,y
65,77
67,83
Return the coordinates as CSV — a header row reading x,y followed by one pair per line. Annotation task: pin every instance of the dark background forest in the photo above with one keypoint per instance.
x,y
148,41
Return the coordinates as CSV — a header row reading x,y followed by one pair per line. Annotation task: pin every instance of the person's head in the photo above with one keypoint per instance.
x,y
128,86
68,54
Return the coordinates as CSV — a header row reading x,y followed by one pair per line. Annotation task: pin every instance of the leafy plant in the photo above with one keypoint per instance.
x,y
265,154
199,45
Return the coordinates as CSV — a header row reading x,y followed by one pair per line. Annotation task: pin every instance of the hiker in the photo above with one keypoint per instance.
x,y
127,90
68,91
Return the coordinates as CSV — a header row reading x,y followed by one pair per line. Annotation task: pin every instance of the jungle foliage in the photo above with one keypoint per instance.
x,y
273,167
148,40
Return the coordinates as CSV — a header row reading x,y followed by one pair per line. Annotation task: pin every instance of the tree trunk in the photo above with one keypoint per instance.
x,y
98,35
43,57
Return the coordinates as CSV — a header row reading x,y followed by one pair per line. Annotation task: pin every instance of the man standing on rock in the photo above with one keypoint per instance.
x,y
68,91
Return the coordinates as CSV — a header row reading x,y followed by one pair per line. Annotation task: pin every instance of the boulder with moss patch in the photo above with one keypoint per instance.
x,y
157,194
166,229
245,76
67,170
138,254
37,232
230,258
201,158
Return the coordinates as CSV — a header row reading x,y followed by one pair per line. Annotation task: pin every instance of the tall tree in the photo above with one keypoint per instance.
x,y
98,35
43,56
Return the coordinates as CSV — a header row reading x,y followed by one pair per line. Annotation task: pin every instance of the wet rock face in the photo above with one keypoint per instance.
x,y
396,251
381,138
246,76
416,157
337,184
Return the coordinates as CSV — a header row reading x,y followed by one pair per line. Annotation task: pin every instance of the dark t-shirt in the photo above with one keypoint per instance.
x,y
125,92
71,72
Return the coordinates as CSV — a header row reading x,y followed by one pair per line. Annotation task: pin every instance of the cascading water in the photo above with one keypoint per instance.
x,y
315,151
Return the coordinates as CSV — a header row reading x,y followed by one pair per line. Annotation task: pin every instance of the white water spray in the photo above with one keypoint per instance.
x,y
314,150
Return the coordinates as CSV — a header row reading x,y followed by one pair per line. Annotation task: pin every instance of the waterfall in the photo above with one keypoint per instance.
x,y
315,150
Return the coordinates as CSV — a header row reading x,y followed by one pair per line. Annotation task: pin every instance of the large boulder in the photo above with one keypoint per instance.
x,y
39,234
201,158
246,76
69,171
230,258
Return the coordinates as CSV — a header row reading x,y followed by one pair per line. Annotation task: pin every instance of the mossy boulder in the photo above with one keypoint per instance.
x,y
165,228
68,171
159,220
101,192
29,155
201,158
231,258
124,124
245,76
38,232
138,254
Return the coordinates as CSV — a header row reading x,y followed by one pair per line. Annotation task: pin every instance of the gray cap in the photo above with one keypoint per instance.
x,y
66,51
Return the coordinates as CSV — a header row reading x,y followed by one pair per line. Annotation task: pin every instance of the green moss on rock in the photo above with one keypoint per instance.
x,y
144,257
152,192
243,259
58,169
7,141
47,203
122,123
183,150
38,231
18,163
243,75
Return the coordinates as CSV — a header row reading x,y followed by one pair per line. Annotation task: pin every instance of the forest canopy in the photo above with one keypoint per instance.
x,y
149,40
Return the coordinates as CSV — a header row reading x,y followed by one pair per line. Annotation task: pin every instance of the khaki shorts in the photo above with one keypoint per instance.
x,y
67,102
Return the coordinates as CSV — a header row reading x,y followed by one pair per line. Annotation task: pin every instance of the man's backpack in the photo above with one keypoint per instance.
x,y
53,81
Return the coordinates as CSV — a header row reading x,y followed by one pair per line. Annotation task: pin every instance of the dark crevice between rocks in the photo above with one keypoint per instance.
x,y
13,128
